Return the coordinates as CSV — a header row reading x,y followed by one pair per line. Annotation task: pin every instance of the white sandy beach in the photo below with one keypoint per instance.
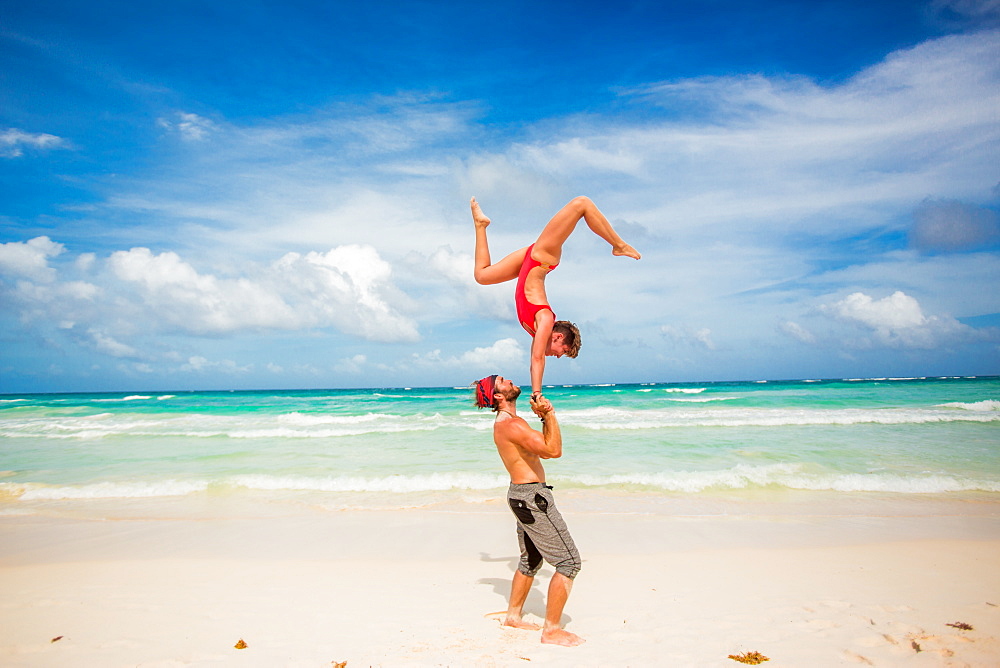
x,y
805,585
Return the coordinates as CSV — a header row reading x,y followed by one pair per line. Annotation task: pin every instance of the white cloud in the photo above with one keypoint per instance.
x,y
137,293
109,346
350,287
768,153
351,365
493,301
85,261
503,354
699,338
748,187
29,259
35,291
897,320
797,331
191,127
199,364
176,295
14,141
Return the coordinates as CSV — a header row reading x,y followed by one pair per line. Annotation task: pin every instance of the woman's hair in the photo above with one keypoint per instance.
x,y
571,336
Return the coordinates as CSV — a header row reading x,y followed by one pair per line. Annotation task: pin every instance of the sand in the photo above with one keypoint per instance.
x,y
875,584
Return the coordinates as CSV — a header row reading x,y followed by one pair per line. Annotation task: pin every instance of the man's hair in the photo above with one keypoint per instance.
x,y
571,336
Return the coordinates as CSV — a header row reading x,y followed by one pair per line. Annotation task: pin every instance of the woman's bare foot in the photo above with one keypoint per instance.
x,y
478,217
623,249
561,637
518,623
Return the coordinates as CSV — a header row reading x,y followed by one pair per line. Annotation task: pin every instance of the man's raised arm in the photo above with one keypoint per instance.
x,y
549,444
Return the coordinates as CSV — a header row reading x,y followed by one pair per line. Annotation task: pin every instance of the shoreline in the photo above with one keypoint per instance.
x,y
245,502
804,584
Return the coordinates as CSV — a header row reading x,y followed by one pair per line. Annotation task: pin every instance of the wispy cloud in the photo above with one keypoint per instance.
x,y
13,142
190,127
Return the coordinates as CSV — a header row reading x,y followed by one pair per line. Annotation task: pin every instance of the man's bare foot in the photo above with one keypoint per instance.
x,y
561,637
478,217
624,249
518,623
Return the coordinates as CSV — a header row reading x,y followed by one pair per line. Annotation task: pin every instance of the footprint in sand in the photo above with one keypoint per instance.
x,y
857,658
836,605
819,625
877,640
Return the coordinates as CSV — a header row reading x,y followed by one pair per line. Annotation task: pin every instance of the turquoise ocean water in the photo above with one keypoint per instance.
x,y
908,438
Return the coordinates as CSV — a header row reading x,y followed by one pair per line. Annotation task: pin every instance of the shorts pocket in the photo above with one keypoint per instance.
x,y
521,511
542,503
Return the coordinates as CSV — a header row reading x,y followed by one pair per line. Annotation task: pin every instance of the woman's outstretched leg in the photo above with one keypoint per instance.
x,y
548,248
485,272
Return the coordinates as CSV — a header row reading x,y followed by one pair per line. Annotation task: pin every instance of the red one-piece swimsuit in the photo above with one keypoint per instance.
x,y
526,310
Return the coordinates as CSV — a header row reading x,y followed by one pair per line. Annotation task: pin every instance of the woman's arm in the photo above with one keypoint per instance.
x,y
539,347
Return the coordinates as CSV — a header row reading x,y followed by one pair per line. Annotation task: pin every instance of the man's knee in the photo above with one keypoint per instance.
x,y
570,567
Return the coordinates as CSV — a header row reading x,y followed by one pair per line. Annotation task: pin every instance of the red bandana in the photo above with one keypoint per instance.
x,y
484,391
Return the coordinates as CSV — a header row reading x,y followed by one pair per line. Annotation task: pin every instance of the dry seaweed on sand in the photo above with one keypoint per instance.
x,y
961,625
752,658
56,639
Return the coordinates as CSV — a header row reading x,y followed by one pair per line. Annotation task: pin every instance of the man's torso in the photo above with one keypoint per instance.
x,y
522,466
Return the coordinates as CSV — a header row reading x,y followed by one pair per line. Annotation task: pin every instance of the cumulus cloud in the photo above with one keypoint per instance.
x,y
175,294
138,293
950,225
14,141
897,321
35,292
503,354
350,287
351,365
494,301
29,259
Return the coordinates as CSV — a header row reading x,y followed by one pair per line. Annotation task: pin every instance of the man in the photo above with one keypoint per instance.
x,y
541,531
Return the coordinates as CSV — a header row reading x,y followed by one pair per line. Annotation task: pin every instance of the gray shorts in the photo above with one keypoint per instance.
x,y
541,531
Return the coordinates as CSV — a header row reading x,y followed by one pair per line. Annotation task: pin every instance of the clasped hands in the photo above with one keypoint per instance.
x,y
541,406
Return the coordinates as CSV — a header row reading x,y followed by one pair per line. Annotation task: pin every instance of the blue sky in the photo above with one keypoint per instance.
x,y
275,195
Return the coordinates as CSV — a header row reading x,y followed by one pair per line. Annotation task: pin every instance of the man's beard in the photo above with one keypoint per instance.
x,y
512,394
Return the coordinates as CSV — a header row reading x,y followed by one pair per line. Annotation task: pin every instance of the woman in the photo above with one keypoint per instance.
x,y
530,265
